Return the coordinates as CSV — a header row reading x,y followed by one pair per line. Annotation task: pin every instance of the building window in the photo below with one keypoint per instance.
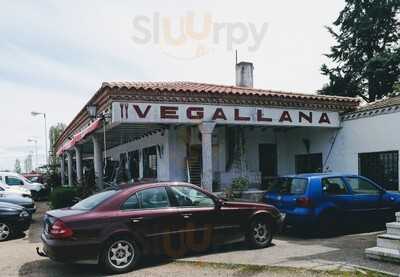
x,y
381,167
308,163
150,162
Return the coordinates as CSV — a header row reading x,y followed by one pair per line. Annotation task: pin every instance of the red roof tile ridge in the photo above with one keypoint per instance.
x,y
390,100
208,87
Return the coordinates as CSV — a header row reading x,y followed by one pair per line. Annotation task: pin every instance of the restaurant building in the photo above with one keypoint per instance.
x,y
210,134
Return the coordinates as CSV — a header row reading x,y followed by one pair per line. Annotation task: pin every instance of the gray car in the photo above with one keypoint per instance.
x,y
25,202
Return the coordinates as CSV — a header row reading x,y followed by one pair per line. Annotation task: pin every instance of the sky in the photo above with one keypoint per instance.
x,y
54,55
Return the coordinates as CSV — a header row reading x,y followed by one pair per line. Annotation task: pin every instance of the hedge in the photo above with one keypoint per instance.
x,y
62,197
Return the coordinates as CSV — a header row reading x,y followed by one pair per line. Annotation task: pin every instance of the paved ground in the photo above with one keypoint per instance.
x,y
339,253
18,258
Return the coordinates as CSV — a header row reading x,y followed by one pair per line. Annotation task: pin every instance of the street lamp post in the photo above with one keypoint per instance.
x,y
36,153
45,133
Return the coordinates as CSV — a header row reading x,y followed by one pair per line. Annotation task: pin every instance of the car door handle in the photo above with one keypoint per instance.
x,y
186,216
136,219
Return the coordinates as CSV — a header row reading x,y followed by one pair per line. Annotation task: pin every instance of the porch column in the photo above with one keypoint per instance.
x,y
141,164
206,129
78,160
69,164
97,159
62,169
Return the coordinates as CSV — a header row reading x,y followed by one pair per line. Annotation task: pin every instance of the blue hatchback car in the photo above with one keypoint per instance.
x,y
327,200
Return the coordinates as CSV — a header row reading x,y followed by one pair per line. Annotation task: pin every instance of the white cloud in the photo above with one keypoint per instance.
x,y
18,125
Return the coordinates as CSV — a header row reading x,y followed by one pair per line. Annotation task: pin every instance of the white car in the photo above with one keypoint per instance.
x,y
16,180
8,190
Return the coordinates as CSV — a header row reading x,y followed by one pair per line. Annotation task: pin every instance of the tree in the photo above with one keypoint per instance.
x,y
54,133
53,176
397,87
366,56
17,166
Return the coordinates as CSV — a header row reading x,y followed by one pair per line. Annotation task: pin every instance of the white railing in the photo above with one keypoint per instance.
x,y
188,171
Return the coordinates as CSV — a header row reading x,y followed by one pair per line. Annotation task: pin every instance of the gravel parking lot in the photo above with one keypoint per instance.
x,y
289,256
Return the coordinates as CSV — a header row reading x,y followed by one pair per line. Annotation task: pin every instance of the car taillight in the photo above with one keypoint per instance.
x,y
304,202
60,231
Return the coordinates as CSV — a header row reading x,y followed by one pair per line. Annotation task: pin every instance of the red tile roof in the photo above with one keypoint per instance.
x,y
382,103
184,87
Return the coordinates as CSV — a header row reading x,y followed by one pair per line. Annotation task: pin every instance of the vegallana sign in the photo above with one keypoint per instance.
x,y
126,112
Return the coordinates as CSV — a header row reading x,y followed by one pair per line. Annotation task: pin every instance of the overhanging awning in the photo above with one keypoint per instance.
x,y
80,136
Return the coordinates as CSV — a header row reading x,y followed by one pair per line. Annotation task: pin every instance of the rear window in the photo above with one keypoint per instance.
x,y
288,186
94,200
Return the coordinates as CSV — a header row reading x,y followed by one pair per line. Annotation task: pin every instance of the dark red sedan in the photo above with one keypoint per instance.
x,y
117,227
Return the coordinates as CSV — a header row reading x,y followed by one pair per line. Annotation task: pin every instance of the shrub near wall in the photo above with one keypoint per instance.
x,y
239,185
62,197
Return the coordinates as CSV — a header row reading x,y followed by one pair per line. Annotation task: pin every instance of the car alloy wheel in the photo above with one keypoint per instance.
x,y
5,231
121,254
260,233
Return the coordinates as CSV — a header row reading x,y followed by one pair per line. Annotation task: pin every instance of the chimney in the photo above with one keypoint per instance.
x,y
244,74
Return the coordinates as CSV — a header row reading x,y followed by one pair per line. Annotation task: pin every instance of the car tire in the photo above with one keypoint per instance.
x,y
260,233
120,255
6,231
328,224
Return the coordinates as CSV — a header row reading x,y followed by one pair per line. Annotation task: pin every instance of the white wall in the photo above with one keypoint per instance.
x,y
254,137
370,134
291,143
163,172
171,166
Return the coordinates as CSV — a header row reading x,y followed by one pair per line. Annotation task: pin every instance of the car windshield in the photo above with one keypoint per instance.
x,y
26,179
94,200
288,185
33,178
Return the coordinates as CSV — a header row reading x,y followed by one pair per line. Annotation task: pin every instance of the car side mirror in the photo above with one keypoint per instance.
x,y
75,200
219,203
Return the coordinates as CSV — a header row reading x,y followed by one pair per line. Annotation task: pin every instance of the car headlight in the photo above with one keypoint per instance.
x,y
24,214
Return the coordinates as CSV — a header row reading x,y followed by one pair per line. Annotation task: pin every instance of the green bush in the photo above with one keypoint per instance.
x,y
240,184
62,197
